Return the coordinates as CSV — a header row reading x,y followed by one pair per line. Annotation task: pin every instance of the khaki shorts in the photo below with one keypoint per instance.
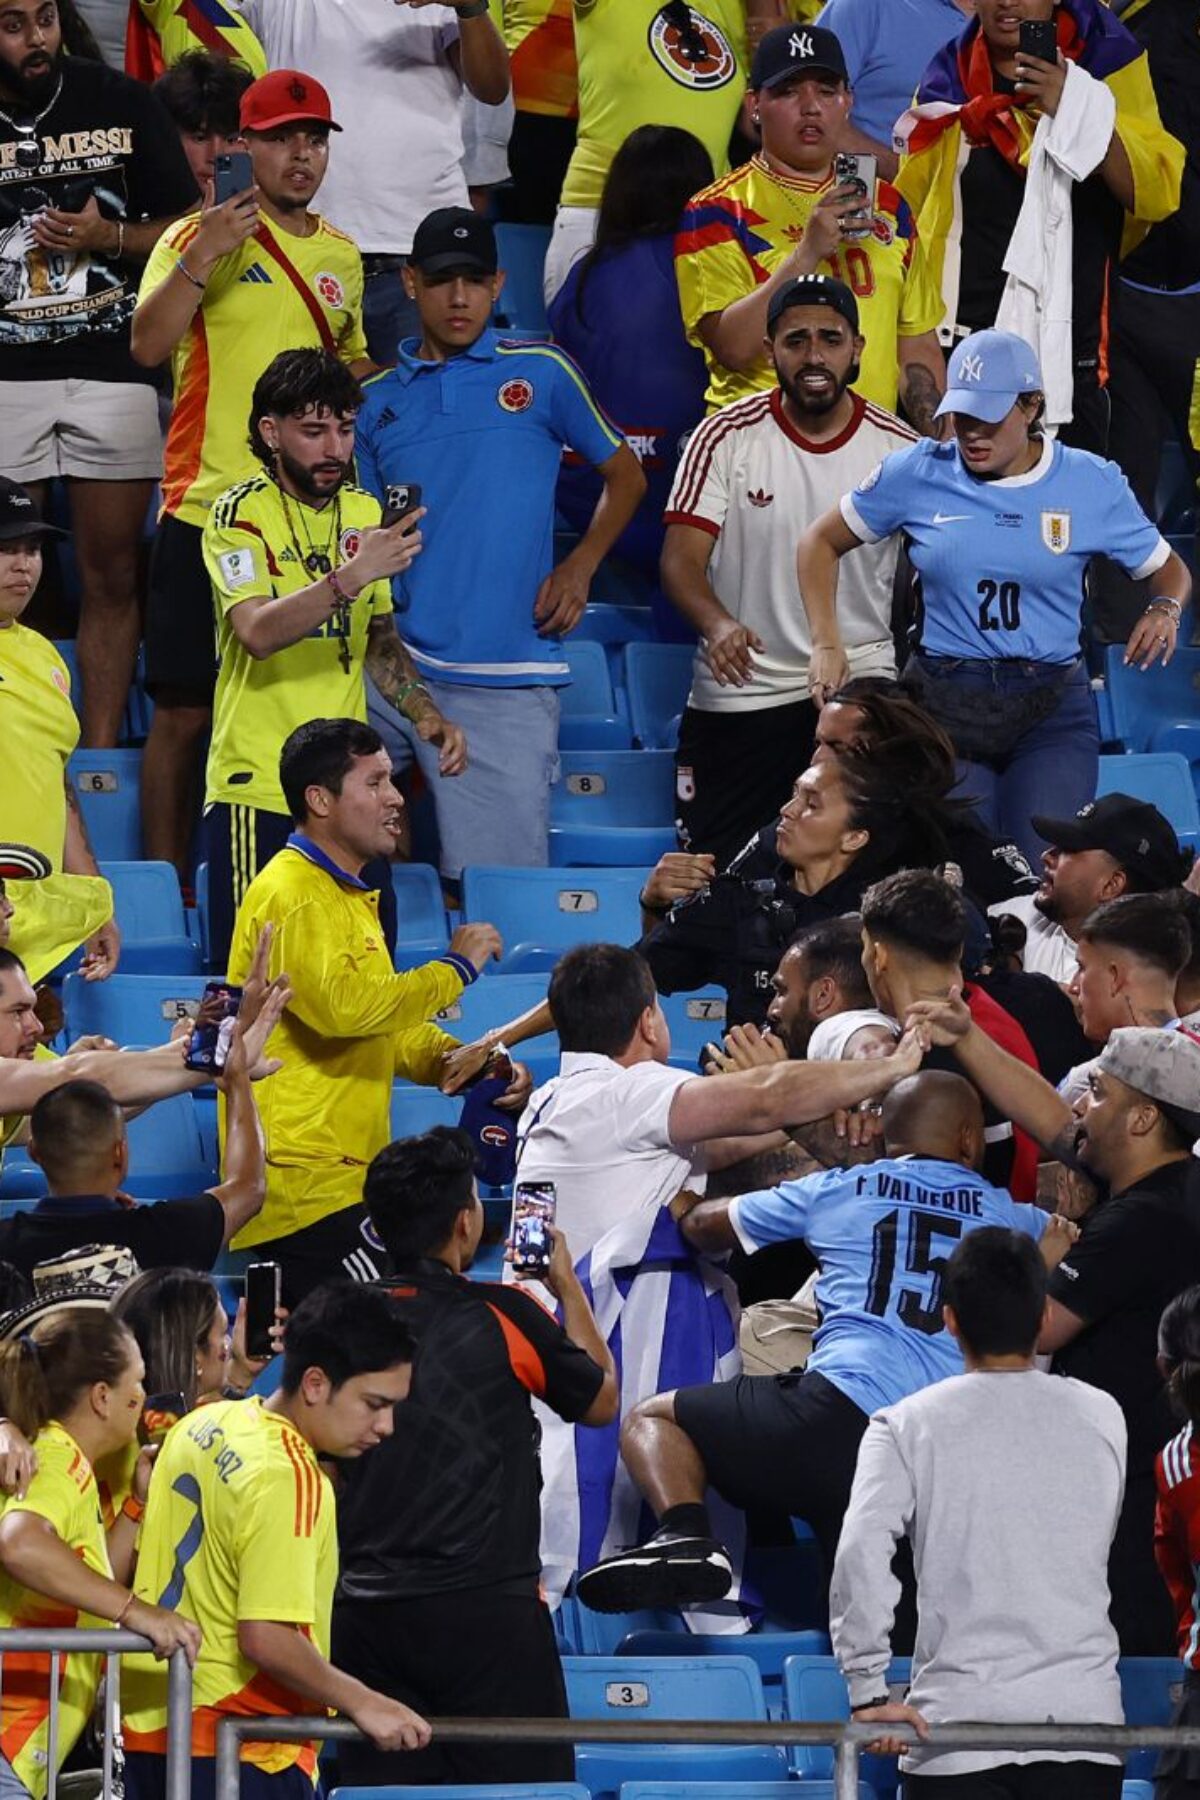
x,y
94,430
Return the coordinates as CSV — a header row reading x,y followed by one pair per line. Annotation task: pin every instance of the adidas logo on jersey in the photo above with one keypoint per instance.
x,y
758,498
256,272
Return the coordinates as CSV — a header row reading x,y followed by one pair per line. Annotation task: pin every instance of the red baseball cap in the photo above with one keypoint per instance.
x,y
285,97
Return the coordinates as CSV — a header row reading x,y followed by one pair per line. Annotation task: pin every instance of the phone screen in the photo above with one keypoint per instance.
x,y
213,1028
402,497
533,1215
264,1286
851,169
1039,37
233,173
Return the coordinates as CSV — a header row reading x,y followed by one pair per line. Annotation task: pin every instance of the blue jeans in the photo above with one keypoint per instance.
x,y
11,1785
1047,766
388,313
146,1779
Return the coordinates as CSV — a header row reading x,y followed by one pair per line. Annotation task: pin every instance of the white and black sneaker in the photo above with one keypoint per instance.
x,y
671,1569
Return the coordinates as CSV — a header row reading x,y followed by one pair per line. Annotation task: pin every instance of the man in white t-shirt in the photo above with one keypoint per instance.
x,y
396,75
754,475
1112,847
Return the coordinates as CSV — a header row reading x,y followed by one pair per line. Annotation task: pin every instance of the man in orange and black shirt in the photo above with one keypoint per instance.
x,y
439,1529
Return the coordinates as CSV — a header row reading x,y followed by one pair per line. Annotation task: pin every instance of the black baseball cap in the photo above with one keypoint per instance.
x,y
813,290
1134,833
797,50
454,237
19,514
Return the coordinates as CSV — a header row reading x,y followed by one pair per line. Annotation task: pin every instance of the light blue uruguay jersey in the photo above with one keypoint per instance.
x,y
483,433
882,1235
1002,562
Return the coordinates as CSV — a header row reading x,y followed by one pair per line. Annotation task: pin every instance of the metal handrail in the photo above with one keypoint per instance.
x,y
849,1740
112,1644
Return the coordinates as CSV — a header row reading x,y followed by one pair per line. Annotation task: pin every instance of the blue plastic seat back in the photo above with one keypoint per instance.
x,y
614,787
745,1790
1150,1689
486,1005
501,1790
590,690
657,680
420,908
106,783
695,1020
1142,701
166,1152
607,1770
768,1650
522,251
130,1009
541,912
1130,1790
814,1688
610,846
416,1110
146,899
1162,777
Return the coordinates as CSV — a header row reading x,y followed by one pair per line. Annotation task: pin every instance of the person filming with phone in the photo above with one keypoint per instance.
x,y
299,559
803,206
254,272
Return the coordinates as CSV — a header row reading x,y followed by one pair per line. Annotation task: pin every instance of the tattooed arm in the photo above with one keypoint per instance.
x,y
922,382
102,950
391,669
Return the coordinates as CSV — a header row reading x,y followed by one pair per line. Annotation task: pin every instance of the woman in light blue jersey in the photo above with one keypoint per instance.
x,y
1000,522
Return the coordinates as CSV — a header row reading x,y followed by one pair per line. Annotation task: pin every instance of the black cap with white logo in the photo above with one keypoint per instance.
x,y
791,50
454,237
1133,832
19,514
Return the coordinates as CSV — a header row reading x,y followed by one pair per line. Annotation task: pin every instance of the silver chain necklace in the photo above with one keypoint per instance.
x,y
28,154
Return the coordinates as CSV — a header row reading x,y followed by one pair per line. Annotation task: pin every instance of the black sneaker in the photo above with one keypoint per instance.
x,y
670,1570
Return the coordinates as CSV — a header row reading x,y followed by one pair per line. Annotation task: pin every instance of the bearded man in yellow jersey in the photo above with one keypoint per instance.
x,y
783,215
225,290
240,1537
300,577
352,1024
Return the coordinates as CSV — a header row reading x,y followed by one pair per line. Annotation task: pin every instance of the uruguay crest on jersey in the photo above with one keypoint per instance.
x,y
1056,531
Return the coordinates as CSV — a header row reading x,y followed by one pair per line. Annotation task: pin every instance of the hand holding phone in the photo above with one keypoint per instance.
x,y
1039,37
264,1295
860,173
402,498
213,1029
534,1205
233,173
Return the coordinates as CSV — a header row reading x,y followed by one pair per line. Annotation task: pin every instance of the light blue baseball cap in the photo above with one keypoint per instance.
x,y
987,372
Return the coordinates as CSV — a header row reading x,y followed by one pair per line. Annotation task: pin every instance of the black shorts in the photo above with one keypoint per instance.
x,y
785,1441
1077,1780
181,645
735,770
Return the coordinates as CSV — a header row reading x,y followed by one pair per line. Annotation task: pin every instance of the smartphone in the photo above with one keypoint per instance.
x,y
264,1291
159,1413
860,172
233,173
1039,37
533,1215
402,497
213,1028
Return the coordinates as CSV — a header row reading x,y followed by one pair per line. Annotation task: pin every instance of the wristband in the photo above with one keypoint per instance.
x,y
133,1509
338,591
410,687
879,1700
655,907
128,1603
475,10
187,274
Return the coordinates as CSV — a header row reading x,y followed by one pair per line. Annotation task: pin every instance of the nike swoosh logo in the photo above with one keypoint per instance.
x,y
948,518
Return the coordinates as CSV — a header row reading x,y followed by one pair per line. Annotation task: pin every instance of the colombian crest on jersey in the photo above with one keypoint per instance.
x,y
516,395
349,541
1056,531
697,55
330,288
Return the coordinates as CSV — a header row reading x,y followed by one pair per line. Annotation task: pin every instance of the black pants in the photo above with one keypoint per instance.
x,y
474,1654
238,842
1141,1609
336,1248
538,153
1177,1776
735,770
1022,1781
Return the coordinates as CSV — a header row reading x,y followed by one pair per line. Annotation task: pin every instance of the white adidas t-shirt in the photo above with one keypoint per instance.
x,y
397,97
752,480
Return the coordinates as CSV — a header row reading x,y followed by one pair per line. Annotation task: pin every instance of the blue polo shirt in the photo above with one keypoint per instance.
x,y
888,45
483,433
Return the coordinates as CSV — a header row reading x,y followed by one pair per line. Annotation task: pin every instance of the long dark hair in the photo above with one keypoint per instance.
x,y
653,176
909,825
1179,1348
171,1313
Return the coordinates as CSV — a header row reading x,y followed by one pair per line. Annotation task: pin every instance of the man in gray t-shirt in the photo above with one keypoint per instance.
x,y
1008,1483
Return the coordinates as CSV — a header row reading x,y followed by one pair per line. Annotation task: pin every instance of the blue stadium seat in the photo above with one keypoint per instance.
x,y
421,932
612,807
657,680
745,1790
716,1687
768,1650
602,1634
589,719
695,1019
1130,1790
1175,498
1144,704
106,785
166,1153
149,910
814,1688
1160,776
504,1790
522,250
419,1109
610,846
1150,1688
22,1183
488,1004
130,1009
539,913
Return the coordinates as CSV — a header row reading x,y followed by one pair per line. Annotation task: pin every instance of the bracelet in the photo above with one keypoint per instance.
x,y
129,1602
133,1509
1166,604
654,907
475,10
880,1700
410,687
187,274
338,591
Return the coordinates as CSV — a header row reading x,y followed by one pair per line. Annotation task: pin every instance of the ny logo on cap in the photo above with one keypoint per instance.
x,y
972,368
460,231
298,91
800,44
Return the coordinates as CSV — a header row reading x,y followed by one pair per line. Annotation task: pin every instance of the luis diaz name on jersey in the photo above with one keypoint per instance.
x,y
1056,532
696,54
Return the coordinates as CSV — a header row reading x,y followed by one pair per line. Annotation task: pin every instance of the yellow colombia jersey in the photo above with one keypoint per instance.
x,y
39,730
540,37
63,1492
637,68
352,1025
161,31
277,292
251,553
735,234
239,1525
54,916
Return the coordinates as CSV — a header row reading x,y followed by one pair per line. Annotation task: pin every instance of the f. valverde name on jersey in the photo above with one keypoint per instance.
x,y
965,1200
